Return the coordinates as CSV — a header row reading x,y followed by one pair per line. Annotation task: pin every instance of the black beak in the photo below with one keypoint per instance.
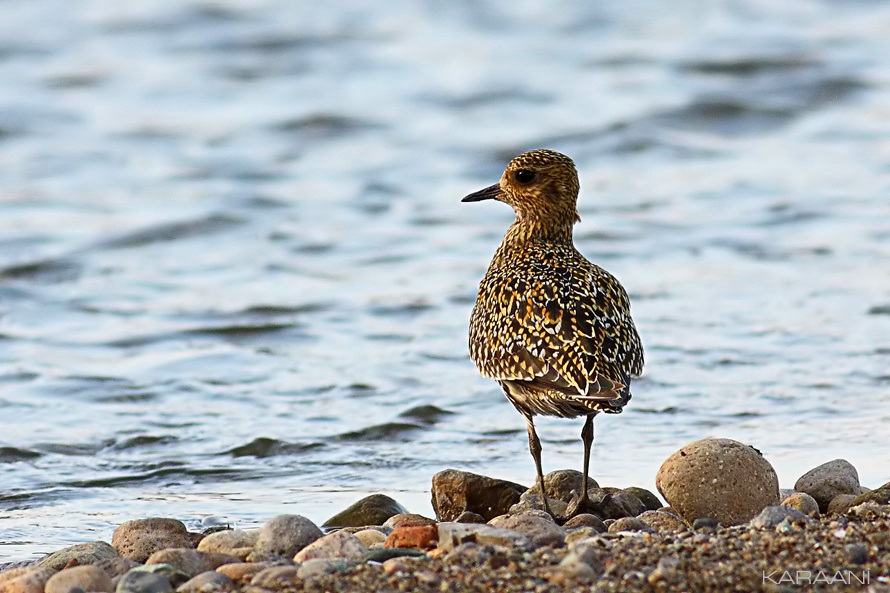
x,y
489,193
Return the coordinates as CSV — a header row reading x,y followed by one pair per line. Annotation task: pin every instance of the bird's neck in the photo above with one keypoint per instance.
x,y
530,230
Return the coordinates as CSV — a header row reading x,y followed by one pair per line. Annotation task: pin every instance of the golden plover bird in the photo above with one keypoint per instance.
x,y
553,329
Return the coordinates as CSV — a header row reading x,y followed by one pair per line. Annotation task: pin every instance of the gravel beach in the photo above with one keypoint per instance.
x,y
828,534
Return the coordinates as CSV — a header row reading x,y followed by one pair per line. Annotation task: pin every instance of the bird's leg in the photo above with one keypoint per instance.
x,y
534,446
579,505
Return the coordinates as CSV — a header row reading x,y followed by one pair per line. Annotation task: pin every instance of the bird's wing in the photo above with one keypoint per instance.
x,y
569,331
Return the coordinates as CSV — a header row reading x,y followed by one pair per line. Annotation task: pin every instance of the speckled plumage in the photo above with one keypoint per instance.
x,y
553,329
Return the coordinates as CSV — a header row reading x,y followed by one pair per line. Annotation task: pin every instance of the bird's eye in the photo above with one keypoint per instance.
x,y
524,176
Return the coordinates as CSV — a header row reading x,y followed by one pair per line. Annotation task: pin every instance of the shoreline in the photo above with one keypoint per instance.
x,y
829,534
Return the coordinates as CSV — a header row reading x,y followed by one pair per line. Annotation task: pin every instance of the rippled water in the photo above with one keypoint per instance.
x,y
235,275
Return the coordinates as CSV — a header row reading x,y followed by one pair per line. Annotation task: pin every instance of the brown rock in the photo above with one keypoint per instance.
x,y
649,500
540,531
408,520
423,537
454,492
370,510
371,537
191,562
87,578
840,503
241,572
663,522
564,484
80,554
208,582
229,540
630,524
803,502
340,544
141,538
275,578
117,566
470,517
718,478
25,580
622,504
585,520
879,496
452,535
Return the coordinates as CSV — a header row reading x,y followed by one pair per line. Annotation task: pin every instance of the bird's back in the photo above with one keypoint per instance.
x,y
554,329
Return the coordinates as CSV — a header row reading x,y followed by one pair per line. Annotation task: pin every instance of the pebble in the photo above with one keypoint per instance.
x,y
840,503
630,524
880,496
452,535
340,544
530,501
285,535
773,516
564,485
315,567
141,538
582,533
84,578
190,562
208,582
140,581
623,504
275,577
470,517
371,537
585,520
704,524
667,572
803,502
828,480
649,500
868,511
396,565
572,571
370,510
428,578
454,492
241,572
539,531
117,566
89,553
173,575
718,478
408,520
228,541
422,537
663,522
591,552
25,580
857,553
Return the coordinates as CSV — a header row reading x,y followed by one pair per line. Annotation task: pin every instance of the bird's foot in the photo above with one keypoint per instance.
x,y
577,506
581,504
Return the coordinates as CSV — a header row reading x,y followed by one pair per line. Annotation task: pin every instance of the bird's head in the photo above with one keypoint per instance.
x,y
542,188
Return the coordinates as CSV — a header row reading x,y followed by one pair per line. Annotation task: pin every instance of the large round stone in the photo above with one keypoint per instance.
x,y
720,479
